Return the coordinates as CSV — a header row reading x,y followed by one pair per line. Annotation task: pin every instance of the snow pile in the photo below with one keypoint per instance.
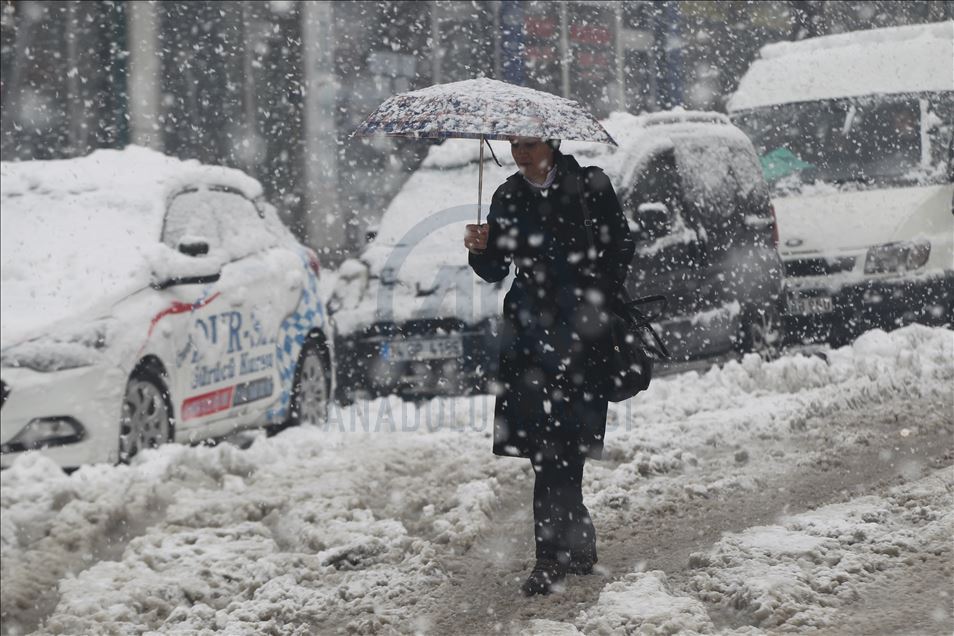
x,y
54,525
483,106
797,573
467,513
651,471
906,59
546,627
915,362
641,603
317,531
278,537
77,232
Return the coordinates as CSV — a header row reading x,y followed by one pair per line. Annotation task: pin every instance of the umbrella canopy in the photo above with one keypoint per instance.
x,y
482,109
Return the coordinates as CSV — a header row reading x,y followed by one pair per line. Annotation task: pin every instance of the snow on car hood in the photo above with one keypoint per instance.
x,y
836,221
78,234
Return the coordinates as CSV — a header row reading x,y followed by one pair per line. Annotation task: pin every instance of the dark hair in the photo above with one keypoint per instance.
x,y
553,143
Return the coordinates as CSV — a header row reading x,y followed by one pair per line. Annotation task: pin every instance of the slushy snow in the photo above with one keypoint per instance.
x,y
350,527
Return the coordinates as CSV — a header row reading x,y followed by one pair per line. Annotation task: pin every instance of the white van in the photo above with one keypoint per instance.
x,y
854,134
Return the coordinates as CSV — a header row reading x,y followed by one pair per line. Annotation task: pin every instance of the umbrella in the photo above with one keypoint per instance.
x,y
482,109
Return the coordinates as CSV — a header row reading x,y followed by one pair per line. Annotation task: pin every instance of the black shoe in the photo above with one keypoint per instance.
x,y
546,573
583,560
582,565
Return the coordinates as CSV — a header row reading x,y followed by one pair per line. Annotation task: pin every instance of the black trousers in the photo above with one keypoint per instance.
x,y
562,525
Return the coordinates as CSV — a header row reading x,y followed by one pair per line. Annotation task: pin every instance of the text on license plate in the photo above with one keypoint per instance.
x,y
423,349
805,306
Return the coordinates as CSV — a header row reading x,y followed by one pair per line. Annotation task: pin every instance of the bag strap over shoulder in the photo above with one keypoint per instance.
x,y
587,218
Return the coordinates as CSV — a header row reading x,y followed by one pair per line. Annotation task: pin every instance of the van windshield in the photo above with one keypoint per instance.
x,y
856,143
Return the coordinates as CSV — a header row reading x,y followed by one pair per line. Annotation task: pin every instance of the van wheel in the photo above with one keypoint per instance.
x,y
309,401
761,333
146,420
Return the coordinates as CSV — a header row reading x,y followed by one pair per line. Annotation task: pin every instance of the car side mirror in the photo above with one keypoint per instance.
x,y
193,247
653,219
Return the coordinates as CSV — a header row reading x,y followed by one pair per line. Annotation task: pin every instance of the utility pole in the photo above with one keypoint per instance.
x,y
564,51
511,21
495,8
673,57
620,60
435,43
249,29
320,221
144,74
75,31
13,143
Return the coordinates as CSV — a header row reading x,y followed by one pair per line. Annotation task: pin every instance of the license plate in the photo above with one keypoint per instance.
x,y
809,305
423,349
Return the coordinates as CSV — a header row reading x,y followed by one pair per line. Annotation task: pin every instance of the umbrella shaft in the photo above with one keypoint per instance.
x,y
480,179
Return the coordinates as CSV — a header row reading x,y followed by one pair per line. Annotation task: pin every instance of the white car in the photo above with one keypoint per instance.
x,y
148,300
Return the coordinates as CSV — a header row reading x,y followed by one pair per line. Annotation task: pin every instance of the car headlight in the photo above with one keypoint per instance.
x,y
896,257
43,432
56,352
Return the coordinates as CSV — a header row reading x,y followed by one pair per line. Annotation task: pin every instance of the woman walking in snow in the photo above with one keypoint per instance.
x,y
551,406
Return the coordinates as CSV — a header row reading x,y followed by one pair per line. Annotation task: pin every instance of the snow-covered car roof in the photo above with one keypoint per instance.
x,y
76,232
906,59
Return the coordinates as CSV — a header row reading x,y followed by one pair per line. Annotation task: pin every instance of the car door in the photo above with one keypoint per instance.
x,y
669,249
739,269
226,361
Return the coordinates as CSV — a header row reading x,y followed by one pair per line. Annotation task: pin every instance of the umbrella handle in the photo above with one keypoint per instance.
x,y
480,179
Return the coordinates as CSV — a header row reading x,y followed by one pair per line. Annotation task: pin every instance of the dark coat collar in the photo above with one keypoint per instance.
x,y
565,164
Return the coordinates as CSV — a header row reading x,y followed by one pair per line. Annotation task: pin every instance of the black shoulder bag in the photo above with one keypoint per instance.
x,y
635,343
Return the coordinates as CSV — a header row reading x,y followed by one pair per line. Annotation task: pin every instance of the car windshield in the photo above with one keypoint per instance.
x,y
222,219
858,142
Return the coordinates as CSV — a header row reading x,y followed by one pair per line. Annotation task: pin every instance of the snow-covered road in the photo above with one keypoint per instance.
x,y
807,494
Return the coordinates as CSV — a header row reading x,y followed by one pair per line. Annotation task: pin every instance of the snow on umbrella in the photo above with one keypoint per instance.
x,y
482,109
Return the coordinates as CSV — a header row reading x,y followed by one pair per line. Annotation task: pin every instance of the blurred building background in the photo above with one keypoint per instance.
x,y
275,87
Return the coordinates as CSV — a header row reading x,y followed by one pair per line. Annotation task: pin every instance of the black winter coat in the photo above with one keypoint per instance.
x,y
554,338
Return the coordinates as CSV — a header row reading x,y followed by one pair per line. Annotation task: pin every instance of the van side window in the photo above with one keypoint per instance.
x,y
656,198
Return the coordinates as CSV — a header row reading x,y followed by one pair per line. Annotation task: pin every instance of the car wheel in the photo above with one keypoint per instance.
x,y
310,391
761,333
146,420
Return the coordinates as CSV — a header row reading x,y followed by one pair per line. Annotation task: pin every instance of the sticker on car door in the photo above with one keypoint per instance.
x,y
229,348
